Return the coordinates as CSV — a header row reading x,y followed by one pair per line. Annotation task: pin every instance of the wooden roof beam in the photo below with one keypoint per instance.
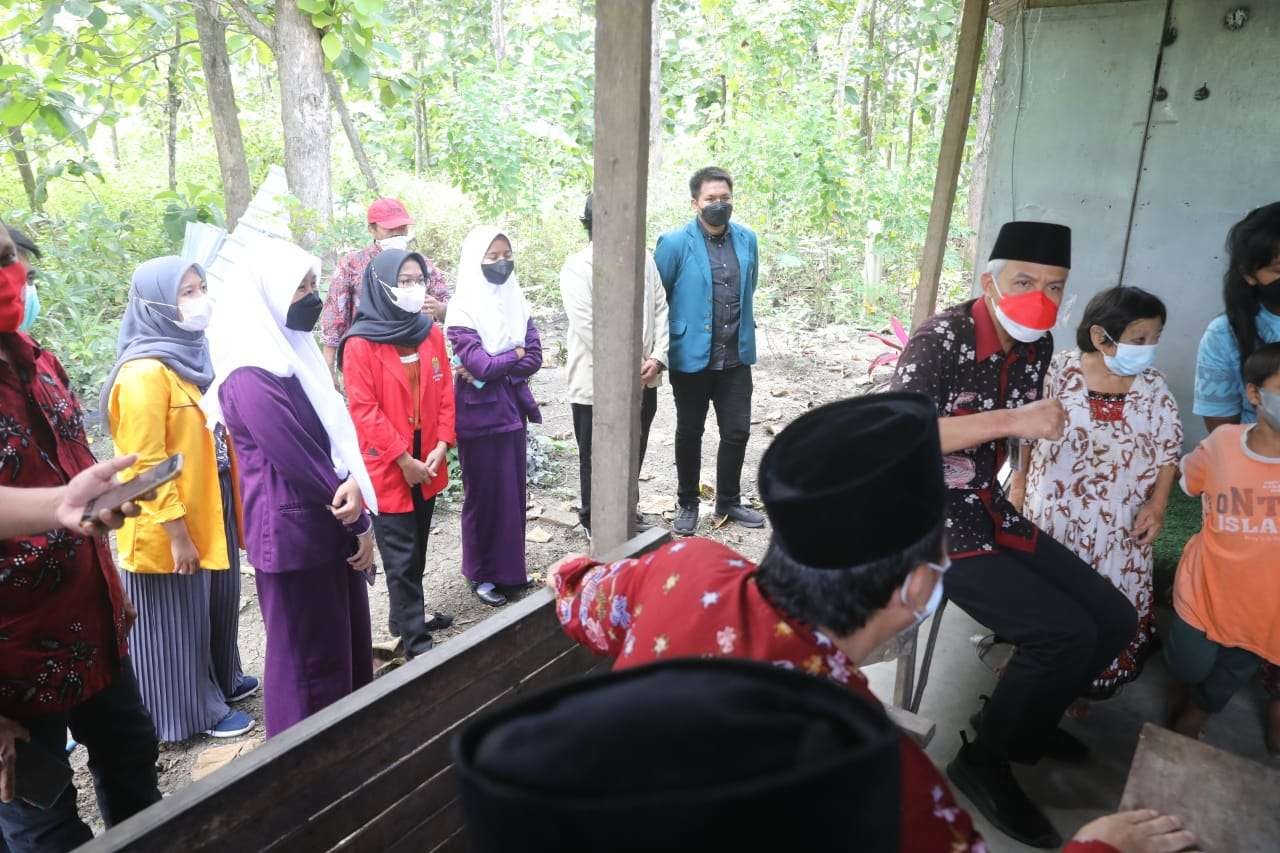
x,y
1002,10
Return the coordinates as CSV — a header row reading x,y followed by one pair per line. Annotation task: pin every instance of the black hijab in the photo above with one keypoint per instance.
x,y
378,318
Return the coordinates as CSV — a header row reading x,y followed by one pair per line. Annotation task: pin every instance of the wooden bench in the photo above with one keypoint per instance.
x,y
374,771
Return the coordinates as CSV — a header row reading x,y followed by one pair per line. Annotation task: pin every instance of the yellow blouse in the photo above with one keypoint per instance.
x,y
155,413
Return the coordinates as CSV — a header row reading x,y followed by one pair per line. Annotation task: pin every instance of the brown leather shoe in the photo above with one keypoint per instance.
x,y
1273,727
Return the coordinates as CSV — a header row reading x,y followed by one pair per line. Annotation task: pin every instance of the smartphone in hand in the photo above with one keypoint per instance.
x,y
148,481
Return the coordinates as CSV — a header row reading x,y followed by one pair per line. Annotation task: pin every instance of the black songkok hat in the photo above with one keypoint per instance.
x,y
688,755
1035,242
855,481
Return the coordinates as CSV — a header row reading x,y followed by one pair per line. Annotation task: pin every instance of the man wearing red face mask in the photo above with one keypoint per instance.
x,y
63,614
983,363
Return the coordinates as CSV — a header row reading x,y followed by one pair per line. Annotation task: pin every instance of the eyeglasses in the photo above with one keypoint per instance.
x,y
410,281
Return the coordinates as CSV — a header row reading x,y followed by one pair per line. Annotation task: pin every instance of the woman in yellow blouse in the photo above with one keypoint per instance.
x,y
181,556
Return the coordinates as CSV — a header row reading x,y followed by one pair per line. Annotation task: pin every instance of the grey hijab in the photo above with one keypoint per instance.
x,y
149,330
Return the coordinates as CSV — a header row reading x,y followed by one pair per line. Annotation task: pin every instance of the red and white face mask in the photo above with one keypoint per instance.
x,y
1026,316
13,283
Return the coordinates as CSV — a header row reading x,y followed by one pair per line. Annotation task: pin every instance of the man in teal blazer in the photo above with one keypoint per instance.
x,y
709,269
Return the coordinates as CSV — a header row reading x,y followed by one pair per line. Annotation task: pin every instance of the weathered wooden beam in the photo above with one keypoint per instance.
x,y
973,24
1002,10
623,37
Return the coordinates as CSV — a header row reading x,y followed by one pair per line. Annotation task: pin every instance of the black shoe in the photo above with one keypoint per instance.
x,y
424,645
742,515
686,521
516,589
491,597
989,784
439,621
1061,745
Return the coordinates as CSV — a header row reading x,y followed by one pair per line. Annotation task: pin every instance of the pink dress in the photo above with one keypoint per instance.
x,y
1085,490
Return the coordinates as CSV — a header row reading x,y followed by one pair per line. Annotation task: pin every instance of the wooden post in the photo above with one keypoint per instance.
x,y
973,24
623,37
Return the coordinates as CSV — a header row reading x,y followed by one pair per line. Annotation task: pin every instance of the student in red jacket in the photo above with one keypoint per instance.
x,y
400,393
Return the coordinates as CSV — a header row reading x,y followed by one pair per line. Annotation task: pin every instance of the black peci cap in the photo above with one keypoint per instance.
x,y
1035,242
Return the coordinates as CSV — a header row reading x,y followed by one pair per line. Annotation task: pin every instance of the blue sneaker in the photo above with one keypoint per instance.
x,y
234,724
71,745
247,687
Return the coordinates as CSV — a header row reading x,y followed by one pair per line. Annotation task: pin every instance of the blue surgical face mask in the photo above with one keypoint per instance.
x,y
1130,359
1270,408
935,597
32,310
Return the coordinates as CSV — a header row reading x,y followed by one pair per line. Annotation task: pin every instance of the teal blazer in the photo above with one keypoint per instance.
x,y
681,257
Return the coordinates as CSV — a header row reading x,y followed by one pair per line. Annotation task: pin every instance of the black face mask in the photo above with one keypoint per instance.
x,y
1270,296
717,213
499,271
304,314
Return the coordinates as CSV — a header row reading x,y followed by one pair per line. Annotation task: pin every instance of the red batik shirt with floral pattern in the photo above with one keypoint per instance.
x,y
955,358
62,624
697,598
343,299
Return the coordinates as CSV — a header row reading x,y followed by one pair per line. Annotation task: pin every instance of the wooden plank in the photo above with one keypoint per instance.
x,y
433,832
424,746
973,24
1229,802
456,843
623,37
1003,10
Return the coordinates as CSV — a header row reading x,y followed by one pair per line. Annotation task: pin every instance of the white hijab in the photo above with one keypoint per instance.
x,y
497,312
247,330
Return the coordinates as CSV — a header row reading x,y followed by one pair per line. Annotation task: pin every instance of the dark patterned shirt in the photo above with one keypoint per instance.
x,y
343,298
62,627
955,358
726,300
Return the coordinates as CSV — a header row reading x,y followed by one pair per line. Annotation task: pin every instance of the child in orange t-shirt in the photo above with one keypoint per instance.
x,y
1227,594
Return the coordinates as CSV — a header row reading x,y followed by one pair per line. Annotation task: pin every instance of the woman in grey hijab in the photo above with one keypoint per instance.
x,y
181,555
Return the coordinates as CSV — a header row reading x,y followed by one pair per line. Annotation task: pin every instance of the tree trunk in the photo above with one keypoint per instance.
x,y
911,110
224,115
867,130
19,147
655,95
115,145
353,135
499,35
171,108
304,112
419,127
982,142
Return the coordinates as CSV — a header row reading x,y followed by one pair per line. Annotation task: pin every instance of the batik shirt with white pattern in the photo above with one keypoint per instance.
x,y
698,598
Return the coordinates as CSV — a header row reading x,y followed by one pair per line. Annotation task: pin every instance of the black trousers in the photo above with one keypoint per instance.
x,y
1068,622
582,432
729,391
402,542
117,730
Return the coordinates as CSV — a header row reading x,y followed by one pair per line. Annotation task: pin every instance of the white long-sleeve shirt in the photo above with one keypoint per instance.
x,y
575,291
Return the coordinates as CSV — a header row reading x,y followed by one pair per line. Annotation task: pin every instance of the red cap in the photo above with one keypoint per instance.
x,y
389,213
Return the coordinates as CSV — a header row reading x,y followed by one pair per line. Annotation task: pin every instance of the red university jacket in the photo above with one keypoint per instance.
x,y
381,404
698,598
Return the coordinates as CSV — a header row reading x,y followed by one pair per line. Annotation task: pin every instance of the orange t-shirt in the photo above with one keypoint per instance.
x,y
1228,582
413,372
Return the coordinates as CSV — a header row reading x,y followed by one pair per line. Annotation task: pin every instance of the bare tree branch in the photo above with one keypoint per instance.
x,y
252,21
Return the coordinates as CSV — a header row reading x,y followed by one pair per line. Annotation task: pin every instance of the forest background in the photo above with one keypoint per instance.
x,y
122,121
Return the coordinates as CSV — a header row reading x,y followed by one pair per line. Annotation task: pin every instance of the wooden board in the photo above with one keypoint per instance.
x,y
1232,804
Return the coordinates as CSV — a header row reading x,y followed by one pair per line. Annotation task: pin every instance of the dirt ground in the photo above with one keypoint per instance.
x,y
796,371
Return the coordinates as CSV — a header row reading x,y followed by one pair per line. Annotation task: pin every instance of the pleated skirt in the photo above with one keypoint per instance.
x,y
185,644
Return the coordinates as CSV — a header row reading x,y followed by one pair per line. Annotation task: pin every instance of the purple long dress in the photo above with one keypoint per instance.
x,y
316,609
492,452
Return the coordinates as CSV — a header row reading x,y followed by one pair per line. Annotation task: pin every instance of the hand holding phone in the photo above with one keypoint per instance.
x,y
42,776
140,486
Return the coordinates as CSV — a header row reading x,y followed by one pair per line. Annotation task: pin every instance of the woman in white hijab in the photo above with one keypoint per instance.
x,y
303,481
496,349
